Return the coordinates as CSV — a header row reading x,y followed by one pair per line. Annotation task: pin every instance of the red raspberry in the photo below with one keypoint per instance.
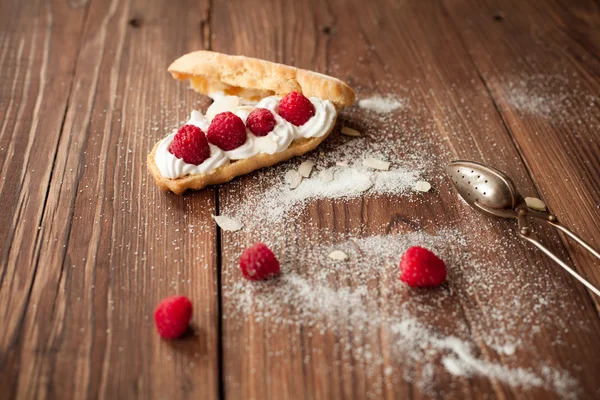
x,y
421,268
190,145
258,263
227,131
296,108
260,122
172,316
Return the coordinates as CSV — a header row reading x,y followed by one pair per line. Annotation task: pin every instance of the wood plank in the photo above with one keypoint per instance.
x,y
110,245
543,76
282,351
36,65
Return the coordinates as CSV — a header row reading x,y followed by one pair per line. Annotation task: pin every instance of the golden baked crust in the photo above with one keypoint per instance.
x,y
253,79
228,172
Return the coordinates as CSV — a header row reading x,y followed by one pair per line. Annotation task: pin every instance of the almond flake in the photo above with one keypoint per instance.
x,y
338,255
376,164
306,168
422,186
227,224
227,103
350,132
342,163
326,175
293,178
267,144
535,204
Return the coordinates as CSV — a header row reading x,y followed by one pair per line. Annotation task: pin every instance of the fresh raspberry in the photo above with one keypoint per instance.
x,y
419,267
296,108
260,122
190,145
258,263
172,316
227,131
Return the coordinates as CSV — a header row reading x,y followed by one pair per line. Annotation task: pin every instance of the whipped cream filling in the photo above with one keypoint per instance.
x,y
324,117
172,167
279,139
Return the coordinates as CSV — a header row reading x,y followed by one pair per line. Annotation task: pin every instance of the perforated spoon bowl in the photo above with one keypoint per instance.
x,y
492,192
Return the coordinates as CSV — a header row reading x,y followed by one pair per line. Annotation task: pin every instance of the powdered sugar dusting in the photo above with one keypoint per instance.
x,y
429,340
309,295
351,179
553,96
381,104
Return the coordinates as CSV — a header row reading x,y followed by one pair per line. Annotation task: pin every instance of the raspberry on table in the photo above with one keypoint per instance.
x,y
260,121
296,108
227,131
421,268
172,316
258,263
190,144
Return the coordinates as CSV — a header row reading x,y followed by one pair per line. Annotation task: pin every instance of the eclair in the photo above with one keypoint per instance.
x,y
263,113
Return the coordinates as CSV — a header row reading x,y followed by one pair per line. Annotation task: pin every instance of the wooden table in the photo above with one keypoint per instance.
x,y
88,245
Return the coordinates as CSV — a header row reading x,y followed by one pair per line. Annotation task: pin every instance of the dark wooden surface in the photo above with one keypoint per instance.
x,y
88,245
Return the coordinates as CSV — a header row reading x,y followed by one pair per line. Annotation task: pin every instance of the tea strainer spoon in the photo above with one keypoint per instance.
x,y
492,192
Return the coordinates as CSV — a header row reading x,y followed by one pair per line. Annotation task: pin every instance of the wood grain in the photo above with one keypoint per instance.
x,y
431,65
109,246
37,64
88,245
546,88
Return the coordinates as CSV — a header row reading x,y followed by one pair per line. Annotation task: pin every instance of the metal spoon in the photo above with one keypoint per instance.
x,y
492,192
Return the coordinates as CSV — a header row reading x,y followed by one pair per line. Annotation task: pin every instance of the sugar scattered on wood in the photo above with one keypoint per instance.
x,y
380,104
316,294
326,175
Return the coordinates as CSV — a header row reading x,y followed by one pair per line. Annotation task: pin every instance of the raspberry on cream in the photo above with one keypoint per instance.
x,y
277,140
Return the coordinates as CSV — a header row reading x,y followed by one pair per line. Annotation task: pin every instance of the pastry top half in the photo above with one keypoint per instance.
x,y
253,79
239,85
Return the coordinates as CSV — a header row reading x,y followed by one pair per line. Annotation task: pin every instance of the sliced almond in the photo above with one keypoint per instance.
x,y
326,175
227,224
535,204
422,186
306,168
350,132
266,144
293,178
338,255
342,163
374,163
227,103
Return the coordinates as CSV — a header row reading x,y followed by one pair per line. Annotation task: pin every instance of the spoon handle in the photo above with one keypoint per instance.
x,y
573,236
540,246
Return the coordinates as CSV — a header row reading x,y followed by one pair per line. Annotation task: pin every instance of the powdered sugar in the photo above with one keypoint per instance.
x,y
552,96
309,295
278,200
341,160
381,104
358,300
